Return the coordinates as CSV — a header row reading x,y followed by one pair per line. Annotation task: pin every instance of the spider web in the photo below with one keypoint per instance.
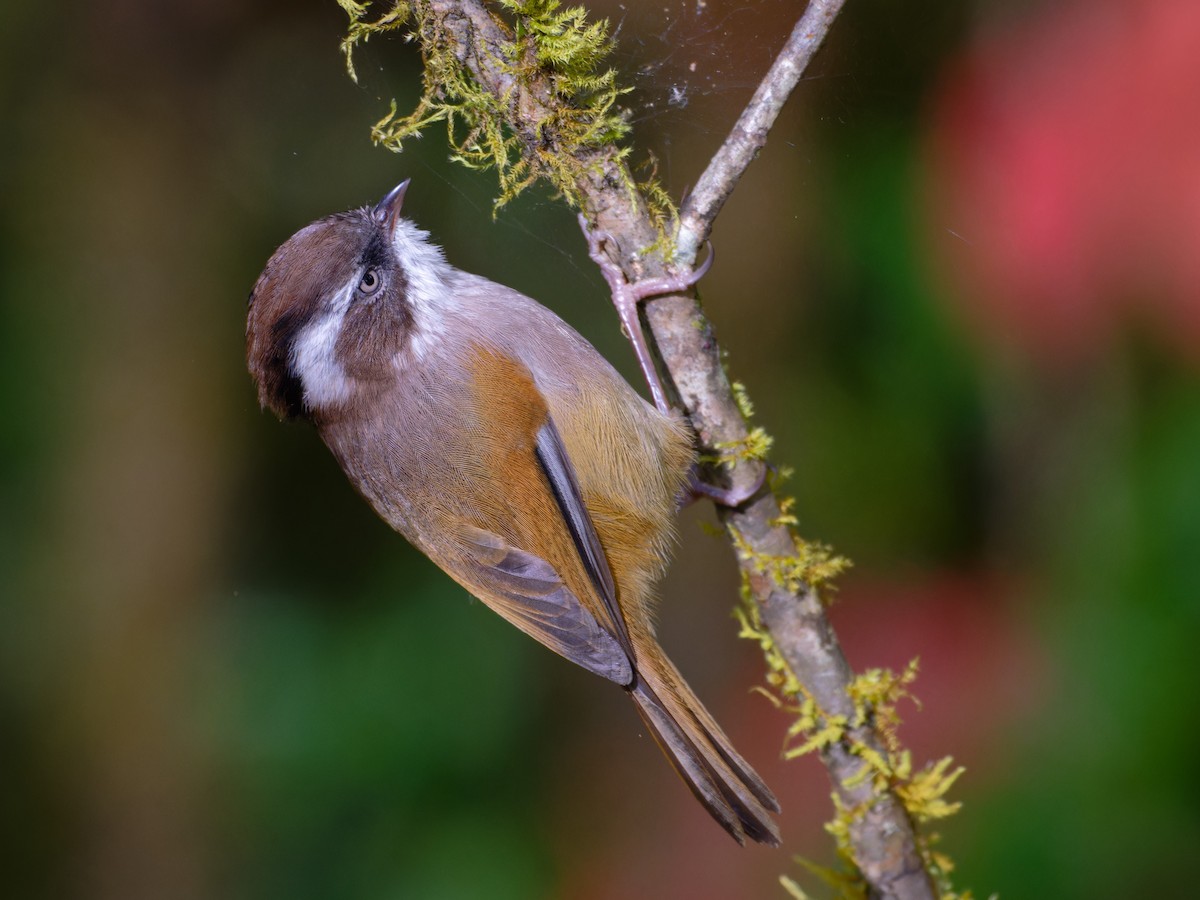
x,y
674,52
692,65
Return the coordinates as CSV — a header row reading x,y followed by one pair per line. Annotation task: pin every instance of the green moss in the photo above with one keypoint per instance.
x,y
558,119
360,29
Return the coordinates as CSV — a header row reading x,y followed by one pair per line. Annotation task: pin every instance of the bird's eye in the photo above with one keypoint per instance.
x,y
369,283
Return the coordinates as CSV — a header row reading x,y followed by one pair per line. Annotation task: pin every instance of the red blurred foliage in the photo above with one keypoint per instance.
x,y
983,669
1063,166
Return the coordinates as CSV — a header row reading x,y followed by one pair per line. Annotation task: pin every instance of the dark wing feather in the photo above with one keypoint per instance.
x,y
552,456
526,591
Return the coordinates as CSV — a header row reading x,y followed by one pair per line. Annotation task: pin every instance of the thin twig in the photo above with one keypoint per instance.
x,y
881,835
749,135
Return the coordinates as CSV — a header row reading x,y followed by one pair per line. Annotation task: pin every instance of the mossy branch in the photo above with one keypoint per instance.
x,y
527,95
523,88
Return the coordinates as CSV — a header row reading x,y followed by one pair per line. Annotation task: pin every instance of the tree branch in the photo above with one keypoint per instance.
x,y
749,135
880,837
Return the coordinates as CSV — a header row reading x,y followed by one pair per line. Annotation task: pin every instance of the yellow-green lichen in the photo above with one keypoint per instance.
x,y
793,890
922,793
811,565
877,693
756,445
742,398
844,885
780,676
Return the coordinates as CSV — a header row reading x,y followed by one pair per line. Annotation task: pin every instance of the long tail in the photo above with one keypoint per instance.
x,y
702,755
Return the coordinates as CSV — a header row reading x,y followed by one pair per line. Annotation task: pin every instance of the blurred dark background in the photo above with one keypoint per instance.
x,y
962,284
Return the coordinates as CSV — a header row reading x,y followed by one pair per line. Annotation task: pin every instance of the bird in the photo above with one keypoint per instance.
x,y
493,437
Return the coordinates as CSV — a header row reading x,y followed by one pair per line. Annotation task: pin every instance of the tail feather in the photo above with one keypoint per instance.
x,y
700,752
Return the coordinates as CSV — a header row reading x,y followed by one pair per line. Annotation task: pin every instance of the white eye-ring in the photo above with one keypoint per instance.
x,y
369,283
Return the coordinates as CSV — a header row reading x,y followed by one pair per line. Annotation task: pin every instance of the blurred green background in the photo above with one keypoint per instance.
x,y
962,284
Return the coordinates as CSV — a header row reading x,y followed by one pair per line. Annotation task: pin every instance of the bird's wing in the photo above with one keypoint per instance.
x,y
527,546
527,591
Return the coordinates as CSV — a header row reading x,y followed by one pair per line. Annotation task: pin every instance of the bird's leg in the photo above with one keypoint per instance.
x,y
627,296
731,497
